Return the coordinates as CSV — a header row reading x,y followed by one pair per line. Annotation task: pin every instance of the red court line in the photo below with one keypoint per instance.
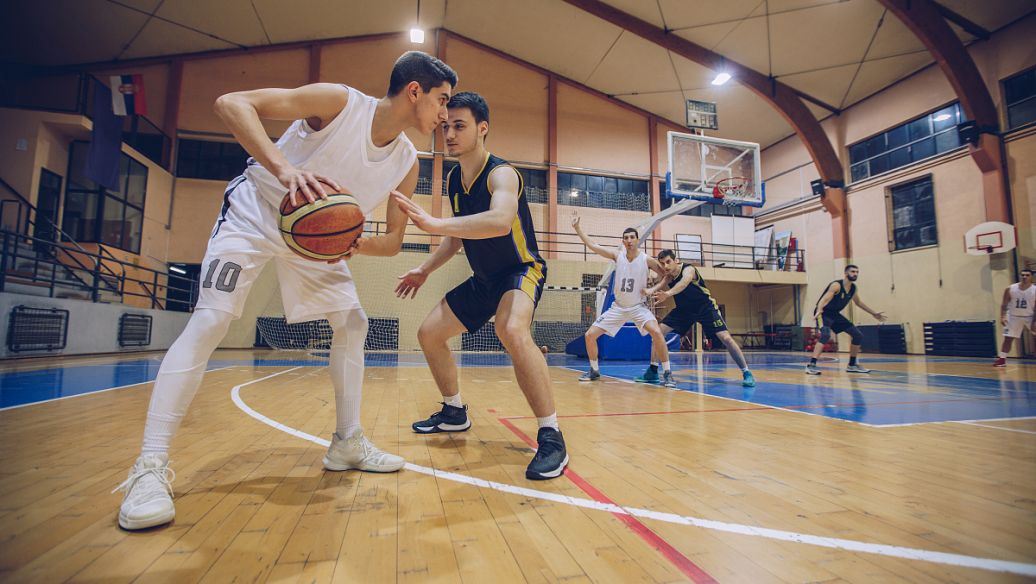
x,y
682,562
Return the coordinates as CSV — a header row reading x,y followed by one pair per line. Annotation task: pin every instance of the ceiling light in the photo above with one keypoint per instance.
x,y
177,270
941,118
417,36
721,79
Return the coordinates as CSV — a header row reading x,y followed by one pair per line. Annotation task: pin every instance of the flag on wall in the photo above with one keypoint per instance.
x,y
102,156
128,95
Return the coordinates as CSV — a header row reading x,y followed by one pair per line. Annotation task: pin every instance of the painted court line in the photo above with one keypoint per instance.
x,y
749,530
47,401
997,427
682,562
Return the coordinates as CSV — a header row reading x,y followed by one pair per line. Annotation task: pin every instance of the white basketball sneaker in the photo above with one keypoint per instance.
x,y
357,452
149,493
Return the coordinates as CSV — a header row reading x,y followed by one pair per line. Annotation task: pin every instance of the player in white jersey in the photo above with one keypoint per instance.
x,y
1016,313
340,137
631,282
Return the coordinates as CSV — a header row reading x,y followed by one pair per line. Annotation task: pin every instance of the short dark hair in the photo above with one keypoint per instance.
x,y
667,253
475,103
631,230
423,68
849,267
1027,270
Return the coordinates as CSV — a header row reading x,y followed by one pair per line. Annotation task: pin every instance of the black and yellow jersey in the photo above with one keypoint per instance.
x,y
495,256
841,300
696,295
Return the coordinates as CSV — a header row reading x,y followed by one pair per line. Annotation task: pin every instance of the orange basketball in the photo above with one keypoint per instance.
x,y
322,230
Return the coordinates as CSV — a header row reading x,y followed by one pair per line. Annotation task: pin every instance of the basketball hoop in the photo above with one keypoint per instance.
x,y
731,191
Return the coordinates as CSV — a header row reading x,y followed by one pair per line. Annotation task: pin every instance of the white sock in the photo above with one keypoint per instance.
x,y
550,421
180,375
453,400
665,366
346,368
745,370
593,365
1002,355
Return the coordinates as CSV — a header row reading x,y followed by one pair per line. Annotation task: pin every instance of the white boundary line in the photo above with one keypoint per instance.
x,y
85,393
829,542
997,427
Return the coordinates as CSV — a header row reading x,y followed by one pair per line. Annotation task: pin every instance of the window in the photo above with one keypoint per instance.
x,y
210,160
94,214
913,215
1020,96
905,144
535,181
424,176
603,192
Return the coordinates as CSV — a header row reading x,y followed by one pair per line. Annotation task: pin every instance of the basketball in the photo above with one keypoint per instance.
x,y
322,230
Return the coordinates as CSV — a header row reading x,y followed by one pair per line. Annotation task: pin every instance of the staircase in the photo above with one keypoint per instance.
x,y
33,269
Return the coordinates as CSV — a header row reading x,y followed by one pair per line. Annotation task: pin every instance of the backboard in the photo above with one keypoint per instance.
x,y
990,237
714,170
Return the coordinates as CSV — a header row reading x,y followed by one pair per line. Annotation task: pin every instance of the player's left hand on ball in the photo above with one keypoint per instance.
x,y
353,250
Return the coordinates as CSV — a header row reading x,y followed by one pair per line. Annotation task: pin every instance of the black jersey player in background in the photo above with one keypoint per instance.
x,y
828,314
694,303
492,222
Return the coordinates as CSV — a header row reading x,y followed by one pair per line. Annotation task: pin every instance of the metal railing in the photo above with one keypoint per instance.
x,y
90,275
569,246
72,260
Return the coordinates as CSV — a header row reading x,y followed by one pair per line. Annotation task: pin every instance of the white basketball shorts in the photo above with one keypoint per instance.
x,y
1016,325
246,236
616,316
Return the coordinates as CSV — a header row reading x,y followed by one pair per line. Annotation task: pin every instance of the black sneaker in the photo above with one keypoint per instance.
x,y
449,419
551,456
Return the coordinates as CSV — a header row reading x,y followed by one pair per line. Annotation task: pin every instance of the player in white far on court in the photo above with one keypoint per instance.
x,y
348,141
631,282
1016,313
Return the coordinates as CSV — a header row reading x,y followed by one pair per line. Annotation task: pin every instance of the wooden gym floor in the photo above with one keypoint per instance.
x,y
923,471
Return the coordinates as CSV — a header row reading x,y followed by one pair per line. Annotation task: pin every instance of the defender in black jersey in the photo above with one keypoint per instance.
x,y
492,222
694,303
828,315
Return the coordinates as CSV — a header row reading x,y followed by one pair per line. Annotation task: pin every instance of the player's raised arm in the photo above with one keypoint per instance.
x,y
594,247
495,222
318,104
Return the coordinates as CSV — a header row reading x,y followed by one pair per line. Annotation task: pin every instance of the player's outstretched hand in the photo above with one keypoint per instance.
x,y
881,317
424,221
661,295
1003,320
575,222
410,282
305,182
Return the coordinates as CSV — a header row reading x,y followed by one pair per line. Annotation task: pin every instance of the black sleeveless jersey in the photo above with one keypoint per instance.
x,y
696,295
841,300
501,255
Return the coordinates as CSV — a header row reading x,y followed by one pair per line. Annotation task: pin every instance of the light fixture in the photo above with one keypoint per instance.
x,y
721,79
177,270
574,193
941,118
416,34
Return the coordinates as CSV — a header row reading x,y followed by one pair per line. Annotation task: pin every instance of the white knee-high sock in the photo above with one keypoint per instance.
x,y
180,375
346,367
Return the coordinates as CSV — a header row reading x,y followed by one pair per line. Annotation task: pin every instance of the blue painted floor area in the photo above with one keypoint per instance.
x,y
900,390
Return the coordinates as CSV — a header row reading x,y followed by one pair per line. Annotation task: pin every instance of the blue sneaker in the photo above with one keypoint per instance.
x,y
649,376
747,379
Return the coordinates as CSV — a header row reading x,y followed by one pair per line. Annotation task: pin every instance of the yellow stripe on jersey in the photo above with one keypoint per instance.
x,y
517,230
531,280
467,188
